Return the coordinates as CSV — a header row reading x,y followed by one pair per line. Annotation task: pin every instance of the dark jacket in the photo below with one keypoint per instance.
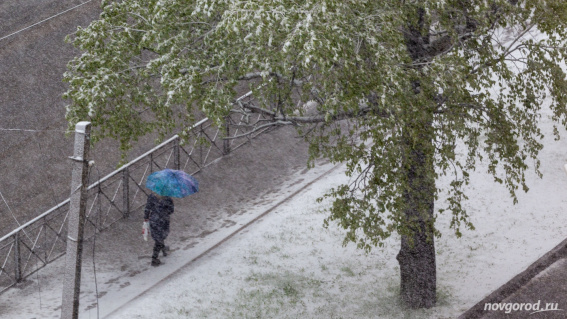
x,y
158,211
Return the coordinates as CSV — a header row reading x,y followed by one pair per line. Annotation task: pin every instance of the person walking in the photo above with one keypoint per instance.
x,y
165,184
157,212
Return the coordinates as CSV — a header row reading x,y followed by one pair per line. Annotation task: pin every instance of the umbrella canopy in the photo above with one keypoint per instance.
x,y
172,183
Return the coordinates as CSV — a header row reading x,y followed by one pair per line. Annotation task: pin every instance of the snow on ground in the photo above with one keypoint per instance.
x,y
287,265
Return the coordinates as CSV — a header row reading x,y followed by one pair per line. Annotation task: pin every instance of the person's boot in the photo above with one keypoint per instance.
x,y
156,262
165,251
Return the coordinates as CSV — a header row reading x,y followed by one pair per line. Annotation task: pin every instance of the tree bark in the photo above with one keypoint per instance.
x,y
418,271
417,253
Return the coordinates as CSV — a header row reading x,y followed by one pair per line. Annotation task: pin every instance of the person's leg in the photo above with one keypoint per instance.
x,y
165,232
158,246
165,249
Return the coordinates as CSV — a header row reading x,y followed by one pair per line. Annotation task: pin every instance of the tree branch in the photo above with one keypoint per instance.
x,y
257,128
319,118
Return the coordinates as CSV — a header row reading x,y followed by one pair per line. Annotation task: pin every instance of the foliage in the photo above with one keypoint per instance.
x,y
484,70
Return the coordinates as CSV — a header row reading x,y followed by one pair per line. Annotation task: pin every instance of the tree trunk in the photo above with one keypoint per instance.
x,y
417,254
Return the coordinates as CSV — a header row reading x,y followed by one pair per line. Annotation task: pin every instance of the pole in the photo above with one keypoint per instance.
x,y
226,142
176,159
77,204
17,258
125,193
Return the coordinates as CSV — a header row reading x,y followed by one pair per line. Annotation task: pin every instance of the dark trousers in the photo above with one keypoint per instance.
x,y
158,246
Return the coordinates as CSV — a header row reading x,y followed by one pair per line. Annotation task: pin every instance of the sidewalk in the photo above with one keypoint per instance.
x,y
117,302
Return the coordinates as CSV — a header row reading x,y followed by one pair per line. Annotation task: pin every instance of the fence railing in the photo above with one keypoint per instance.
x,y
42,240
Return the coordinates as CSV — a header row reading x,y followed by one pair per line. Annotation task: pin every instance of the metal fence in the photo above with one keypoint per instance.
x,y
42,240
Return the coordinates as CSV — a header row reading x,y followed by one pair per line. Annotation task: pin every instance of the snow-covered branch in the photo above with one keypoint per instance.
x,y
257,129
312,119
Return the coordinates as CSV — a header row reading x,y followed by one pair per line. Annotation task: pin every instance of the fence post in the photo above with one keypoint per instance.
x,y
201,162
17,258
77,209
226,143
176,160
125,193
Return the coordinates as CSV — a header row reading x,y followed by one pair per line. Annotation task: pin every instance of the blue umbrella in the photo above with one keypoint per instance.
x,y
173,183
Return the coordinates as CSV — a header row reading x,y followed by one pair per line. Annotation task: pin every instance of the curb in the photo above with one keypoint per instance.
x,y
521,279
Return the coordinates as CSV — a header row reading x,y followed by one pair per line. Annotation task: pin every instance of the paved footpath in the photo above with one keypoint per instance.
x,y
117,302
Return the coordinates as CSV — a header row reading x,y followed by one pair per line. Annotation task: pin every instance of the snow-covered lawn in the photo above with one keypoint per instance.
x,y
288,266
